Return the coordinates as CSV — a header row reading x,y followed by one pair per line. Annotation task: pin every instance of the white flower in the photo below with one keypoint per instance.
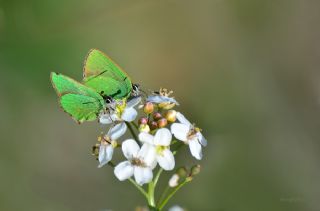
x,y
163,99
124,111
191,135
108,143
161,143
176,208
140,162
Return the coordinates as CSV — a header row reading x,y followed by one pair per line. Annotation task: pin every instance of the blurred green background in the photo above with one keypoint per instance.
x,y
247,72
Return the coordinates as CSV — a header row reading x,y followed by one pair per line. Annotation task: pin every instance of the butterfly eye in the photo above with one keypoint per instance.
x,y
108,99
135,87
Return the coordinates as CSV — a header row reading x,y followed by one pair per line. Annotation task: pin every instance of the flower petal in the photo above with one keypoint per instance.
x,y
130,148
123,170
147,154
105,119
182,119
146,138
105,154
201,139
117,131
133,102
163,137
195,148
180,131
142,175
161,99
129,114
176,208
166,160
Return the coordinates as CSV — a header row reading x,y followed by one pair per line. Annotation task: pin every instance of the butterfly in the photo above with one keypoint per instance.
x,y
103,82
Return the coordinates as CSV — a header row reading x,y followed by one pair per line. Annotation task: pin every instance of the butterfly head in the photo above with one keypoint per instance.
x,y
135,90
108,99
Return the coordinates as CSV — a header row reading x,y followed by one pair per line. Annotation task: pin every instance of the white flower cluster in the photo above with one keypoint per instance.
x,y
160,128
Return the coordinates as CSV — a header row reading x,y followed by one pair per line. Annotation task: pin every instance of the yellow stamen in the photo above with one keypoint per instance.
x,y
160,149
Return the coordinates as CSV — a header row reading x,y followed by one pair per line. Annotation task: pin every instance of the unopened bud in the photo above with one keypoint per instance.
x,y
166,105
182,172
114,143
95,150
162,122
174,180
143,121
171,115
153,125
156,116
195,170
144,128
148,108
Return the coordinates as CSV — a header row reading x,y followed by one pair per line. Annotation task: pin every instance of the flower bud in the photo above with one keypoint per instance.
x,y
162,122
171,115
174,180
144,128
148,107
182,172
195,170
114,143
95,150
156,116
166,105
153,125
143,121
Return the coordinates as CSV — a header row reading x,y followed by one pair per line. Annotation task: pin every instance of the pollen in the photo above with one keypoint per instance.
x,y
120,107
138,162
193,131
165,92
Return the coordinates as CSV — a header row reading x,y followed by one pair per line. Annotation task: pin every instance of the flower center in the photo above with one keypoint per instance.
x,y
193,132
160,149
138,162
104,139
120,107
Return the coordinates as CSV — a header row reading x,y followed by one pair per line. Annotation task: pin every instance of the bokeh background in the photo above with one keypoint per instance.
x,y
247,72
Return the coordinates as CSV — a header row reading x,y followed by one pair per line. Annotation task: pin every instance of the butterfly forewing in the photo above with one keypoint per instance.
x,y
81,102
64,84
104,75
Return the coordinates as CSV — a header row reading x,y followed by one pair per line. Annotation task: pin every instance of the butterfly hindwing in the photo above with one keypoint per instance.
x,y
104,75
80,107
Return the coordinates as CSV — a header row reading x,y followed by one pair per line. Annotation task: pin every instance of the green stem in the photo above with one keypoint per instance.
x,y
163,195
165,201
144,193
151,194
131,130
135,125
156,178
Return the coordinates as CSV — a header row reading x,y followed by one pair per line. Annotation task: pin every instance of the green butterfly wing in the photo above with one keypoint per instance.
x,y
81,102
104,75
64,84
80,107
